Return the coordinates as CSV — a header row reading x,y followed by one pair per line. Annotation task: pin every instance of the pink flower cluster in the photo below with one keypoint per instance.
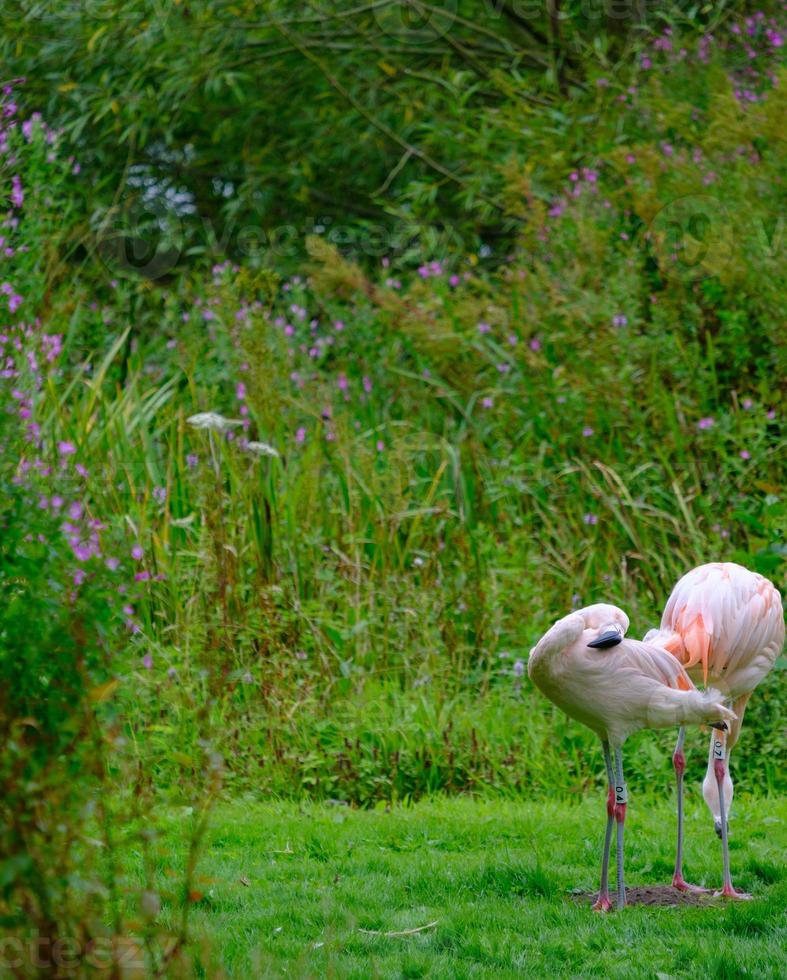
x,y
48,471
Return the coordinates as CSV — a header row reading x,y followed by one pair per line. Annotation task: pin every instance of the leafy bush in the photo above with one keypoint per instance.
x,y
381,121
73,794
427,460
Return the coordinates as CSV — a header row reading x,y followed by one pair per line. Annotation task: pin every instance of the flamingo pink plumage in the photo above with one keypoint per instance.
x,y
725,625
616,686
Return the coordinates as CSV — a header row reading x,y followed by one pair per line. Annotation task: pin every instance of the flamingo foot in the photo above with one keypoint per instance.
x,y
602,904
729,892
683,886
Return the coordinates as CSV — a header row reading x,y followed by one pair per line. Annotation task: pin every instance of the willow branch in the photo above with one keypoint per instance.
x,y
384,128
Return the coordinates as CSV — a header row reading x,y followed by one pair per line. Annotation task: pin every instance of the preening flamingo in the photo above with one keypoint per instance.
x,y
725,625
616,686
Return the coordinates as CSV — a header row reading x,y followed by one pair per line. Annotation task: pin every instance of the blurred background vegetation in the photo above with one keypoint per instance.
x,y
494,293
403,125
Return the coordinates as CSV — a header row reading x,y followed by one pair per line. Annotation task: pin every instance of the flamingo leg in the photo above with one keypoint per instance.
x,y
603,903
679,764
621,799
720,770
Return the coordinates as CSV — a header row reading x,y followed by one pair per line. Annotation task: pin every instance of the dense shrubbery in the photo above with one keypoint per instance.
x,y
431,451
430,462
385,122
74,795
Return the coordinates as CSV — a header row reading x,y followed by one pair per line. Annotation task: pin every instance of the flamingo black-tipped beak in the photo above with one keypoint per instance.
x,y
722,726
609,638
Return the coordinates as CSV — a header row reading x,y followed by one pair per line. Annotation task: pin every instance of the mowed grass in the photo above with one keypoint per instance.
x,y
287,890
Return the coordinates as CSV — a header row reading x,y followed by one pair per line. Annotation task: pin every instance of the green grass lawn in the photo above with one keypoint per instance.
x,y
289,890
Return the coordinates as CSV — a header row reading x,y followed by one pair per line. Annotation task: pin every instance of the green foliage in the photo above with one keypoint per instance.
x,y
73,793
382,119
519,348
462,455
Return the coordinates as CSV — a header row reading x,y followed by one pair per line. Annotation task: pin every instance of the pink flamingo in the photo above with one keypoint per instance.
x,y
725,625
616,686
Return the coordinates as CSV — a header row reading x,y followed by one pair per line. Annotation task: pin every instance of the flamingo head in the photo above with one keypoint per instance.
x,y
607,623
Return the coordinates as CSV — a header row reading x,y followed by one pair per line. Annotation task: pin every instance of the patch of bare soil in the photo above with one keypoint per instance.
x,y
664,896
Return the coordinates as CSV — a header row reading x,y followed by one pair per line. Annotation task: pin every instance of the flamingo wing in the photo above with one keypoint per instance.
x,y
727,621
654,663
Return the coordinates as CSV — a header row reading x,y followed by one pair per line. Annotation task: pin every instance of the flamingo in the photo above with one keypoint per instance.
x,y
616,686
725,625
